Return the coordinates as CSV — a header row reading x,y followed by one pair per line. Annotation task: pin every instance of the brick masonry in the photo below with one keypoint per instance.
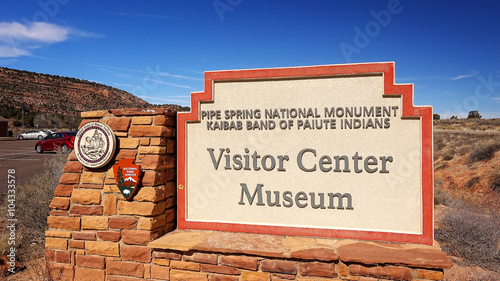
x,y
95,234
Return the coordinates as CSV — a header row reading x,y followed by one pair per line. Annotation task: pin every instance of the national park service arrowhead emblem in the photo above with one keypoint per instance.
x,y
127,176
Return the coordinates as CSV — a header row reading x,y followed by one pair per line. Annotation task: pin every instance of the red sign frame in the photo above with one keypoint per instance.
x,y
390,89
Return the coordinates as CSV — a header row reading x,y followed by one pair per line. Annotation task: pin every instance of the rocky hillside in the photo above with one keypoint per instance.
x,y
62,95
36,92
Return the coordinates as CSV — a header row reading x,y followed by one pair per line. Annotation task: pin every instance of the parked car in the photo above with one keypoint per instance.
x,y
55,141
32,135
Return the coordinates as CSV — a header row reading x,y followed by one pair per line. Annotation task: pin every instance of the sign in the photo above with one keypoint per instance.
x,y
127,176
330,151
95,144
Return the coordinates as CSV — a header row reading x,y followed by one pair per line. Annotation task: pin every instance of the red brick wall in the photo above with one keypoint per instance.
x,y
93,230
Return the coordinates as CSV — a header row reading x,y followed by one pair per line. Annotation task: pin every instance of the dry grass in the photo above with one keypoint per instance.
x,y
32,209
470,273
481,146
472,234
492,125
468,164
467,182
484,152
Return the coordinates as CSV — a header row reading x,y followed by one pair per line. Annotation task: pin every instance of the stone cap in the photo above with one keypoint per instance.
x,y
304,248
129,112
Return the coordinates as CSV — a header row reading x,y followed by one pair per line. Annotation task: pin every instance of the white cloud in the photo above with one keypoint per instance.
x,y
179,76
123,85
496,99
168,83
16,39
463,76
184,101
150,16
12,52
119,74
193,71
35,32
458,77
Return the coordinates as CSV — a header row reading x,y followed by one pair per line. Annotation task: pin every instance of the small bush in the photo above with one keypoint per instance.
x,y
34,198
462,150
448,156
471,182
472,236
484,153
439,142
441,166
441,197
495,181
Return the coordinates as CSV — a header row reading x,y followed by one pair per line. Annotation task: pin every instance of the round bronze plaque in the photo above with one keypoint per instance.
x,y
95,144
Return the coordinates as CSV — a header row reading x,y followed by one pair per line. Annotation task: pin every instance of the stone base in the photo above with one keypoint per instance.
x,y
208,255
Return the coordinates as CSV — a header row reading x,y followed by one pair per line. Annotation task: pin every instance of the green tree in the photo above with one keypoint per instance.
x,y
436,116
119,176
474,114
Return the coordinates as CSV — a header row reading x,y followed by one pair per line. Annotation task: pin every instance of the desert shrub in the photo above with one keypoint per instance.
x,y
484,152
448,155
471,235
33,199
495,181
470,183
451,127
441,197
441,166
462,150
439,142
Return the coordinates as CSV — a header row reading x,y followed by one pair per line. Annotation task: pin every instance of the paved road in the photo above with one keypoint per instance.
x,y
21,156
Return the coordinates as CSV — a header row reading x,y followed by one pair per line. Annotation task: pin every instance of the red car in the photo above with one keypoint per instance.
x,y
54,141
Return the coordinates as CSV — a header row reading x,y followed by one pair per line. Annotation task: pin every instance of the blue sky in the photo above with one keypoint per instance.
x,y
158,50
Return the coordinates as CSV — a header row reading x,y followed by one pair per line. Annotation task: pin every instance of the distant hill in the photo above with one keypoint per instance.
x,y
34,93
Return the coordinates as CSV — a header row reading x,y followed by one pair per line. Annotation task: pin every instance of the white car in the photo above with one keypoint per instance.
x,y
32,135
